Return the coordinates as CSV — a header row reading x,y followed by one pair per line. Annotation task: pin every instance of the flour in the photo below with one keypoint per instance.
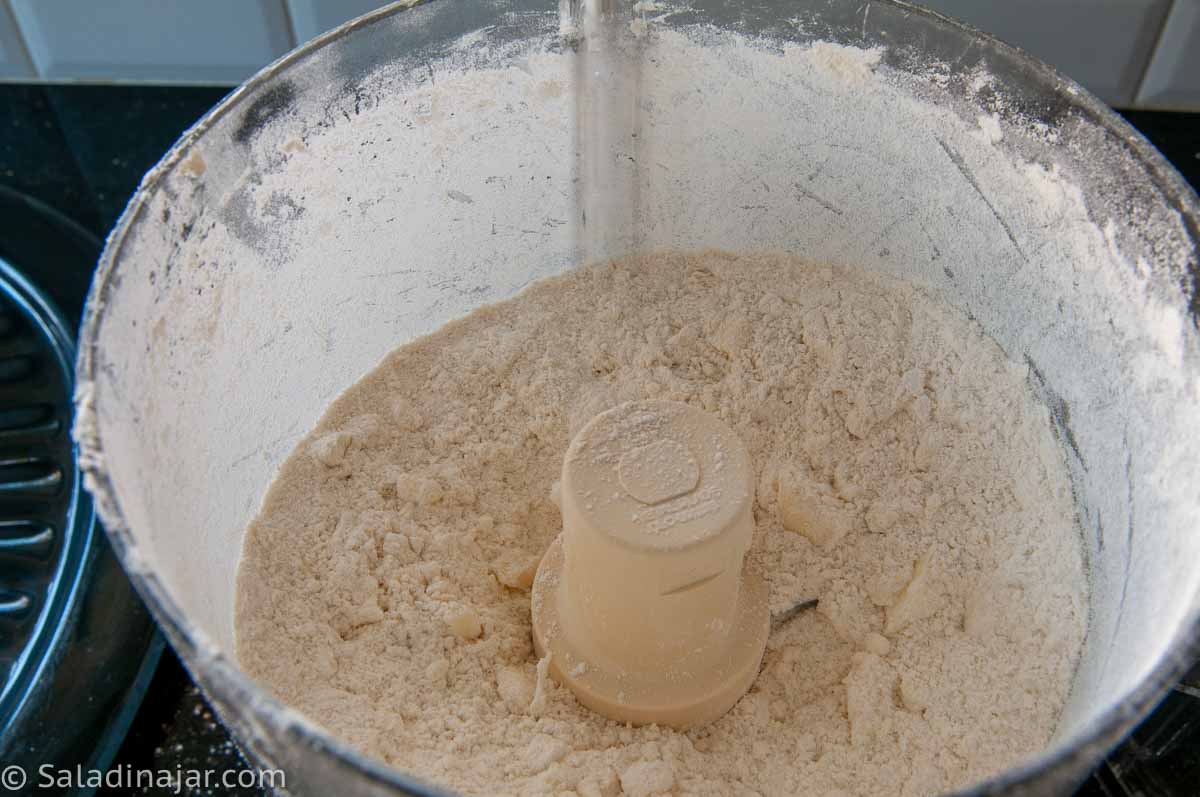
x,y
848,65
906,477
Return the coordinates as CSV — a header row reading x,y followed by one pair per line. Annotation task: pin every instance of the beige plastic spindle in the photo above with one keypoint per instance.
x,y
644,602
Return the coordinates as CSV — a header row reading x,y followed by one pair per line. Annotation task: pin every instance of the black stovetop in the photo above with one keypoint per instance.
x,y
83,150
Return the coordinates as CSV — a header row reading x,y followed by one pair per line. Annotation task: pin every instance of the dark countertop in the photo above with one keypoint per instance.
x,y
83,150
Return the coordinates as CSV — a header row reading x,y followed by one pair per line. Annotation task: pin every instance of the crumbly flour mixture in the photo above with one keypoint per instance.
x,y
906,477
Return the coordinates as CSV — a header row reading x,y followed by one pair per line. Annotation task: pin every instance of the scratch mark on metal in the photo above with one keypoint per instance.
x,y
834,209
963,54
245,458
394,273
1060,411
891,225
1129,530
961,165
1129,527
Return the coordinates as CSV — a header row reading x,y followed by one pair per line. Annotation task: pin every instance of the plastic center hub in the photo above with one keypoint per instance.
x,y
659,471
644,602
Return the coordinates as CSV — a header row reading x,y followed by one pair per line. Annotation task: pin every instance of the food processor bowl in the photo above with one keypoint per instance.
x,y
419,162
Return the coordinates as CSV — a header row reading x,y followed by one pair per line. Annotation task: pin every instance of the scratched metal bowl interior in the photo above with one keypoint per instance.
x,y
250,281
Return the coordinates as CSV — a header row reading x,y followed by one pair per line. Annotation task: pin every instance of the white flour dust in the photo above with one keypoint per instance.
x,y
906,477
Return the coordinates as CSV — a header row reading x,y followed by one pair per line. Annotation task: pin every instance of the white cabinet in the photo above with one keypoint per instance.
x,y
1173,78
192,41
14,61
311,18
